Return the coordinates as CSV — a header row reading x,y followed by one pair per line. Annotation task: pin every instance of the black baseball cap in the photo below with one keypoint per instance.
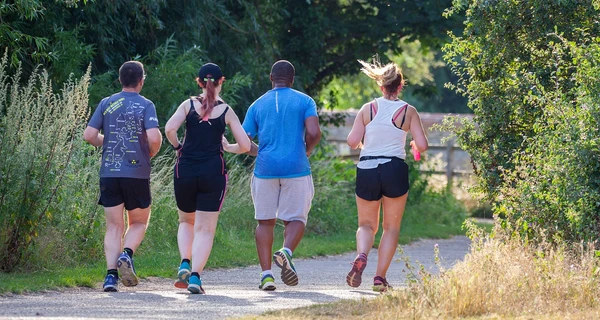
x,y
210,70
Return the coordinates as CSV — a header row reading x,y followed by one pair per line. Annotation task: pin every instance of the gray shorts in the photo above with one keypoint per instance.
x,y
285,199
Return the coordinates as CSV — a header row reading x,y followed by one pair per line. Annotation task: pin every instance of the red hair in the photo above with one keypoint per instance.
x,y
208,103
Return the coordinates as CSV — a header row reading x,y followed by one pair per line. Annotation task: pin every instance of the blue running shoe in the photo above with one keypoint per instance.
x,y
288,273
267,283
195,285
183,276
126,270
111,283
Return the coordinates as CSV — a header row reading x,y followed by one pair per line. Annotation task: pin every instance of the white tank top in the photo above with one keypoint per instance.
x,y
382,137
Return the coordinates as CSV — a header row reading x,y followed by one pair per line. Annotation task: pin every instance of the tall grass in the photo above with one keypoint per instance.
x,y
41,165
503,276
506,275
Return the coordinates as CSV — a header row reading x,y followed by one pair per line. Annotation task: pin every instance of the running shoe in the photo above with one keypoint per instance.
x,y
288,273
380,284
111,283
354,277
267,283
195,285
183,276
126,270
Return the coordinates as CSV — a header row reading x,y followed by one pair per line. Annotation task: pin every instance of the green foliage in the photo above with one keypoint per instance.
x,y
424,73
53,212
39,134
163,65
322,39
529,69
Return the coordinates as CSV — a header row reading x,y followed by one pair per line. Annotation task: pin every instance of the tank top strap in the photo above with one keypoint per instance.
x,y
192,109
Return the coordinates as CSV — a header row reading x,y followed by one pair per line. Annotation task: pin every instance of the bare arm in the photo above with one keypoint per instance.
x,y
154,140
253,149
242,144
357,132
417,131
173,125
93,136
312,134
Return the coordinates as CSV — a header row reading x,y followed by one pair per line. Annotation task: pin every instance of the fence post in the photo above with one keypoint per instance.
x,y
449,164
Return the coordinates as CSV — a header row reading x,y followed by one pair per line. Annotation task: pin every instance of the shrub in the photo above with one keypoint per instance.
x,y
529,69
40,133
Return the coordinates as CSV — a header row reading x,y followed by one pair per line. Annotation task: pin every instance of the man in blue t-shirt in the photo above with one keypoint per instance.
x,y
129,138
287,126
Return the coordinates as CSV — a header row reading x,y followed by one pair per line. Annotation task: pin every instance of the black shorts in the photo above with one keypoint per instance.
x,y
389,179
204,193
135,193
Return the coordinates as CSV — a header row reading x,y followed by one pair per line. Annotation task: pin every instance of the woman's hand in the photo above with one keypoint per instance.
x,y
225,144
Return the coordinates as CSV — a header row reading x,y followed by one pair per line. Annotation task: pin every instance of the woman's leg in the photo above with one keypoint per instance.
x,y
393,209
185,234
204,233
368,222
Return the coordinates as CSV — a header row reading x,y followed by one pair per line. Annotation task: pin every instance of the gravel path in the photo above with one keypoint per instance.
x,y
229,292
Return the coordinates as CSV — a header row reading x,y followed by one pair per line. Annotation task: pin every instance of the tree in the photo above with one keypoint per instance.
x,y
325,38
322,38
529,70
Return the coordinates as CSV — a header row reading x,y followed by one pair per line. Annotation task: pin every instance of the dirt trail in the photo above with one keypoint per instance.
x,y
229,292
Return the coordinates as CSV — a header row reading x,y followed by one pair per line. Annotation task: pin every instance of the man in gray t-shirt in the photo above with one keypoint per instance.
x,y
129,138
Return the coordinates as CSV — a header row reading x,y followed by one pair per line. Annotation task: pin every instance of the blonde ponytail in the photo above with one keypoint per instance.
x,y
388,76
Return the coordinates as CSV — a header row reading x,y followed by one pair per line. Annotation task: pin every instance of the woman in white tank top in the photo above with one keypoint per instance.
x,y
382,174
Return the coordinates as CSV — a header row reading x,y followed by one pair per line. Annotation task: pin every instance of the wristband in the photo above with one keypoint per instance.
x,y
178,147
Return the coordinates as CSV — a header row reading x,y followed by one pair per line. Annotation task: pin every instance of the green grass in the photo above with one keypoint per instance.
x,y
241,252
82,276
330,230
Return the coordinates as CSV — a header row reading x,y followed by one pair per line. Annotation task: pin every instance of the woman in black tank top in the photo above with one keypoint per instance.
x,y
200,172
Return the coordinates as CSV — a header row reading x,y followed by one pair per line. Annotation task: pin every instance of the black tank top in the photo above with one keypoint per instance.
x,y
202,151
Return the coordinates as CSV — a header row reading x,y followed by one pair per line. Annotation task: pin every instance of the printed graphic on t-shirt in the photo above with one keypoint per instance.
x,y
123,135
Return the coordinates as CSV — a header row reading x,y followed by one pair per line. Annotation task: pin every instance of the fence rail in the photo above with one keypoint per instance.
x,y
446,158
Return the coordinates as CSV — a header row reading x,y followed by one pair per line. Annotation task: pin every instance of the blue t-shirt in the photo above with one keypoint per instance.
x,y
277,117
124,118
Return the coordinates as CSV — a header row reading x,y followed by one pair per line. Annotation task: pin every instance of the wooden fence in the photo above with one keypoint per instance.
x,y
442,158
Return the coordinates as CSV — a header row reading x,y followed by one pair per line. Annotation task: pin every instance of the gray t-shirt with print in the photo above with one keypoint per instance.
x,y
124,118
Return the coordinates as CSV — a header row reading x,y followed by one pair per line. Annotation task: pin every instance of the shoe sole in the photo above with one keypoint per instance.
x,y
110,289
268,286
180,284
380,288
195,289
354,277
183,278
126,273
288,275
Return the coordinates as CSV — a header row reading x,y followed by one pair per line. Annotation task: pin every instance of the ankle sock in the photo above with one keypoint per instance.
x,y
266,272
186,260
113,272
288,251
129,252
196,274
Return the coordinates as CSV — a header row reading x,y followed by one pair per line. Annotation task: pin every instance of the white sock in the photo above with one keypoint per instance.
x,y
266,272
288,251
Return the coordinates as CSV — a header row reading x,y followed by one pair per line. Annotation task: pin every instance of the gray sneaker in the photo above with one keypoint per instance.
x,y
126,270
